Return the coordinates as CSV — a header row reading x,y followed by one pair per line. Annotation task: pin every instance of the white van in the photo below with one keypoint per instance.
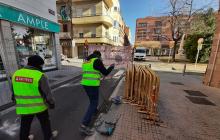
x,y
140,53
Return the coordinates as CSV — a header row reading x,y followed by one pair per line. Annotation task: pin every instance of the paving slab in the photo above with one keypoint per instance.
x,y
182,119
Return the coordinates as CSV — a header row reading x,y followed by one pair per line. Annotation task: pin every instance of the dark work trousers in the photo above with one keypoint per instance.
x,y
26,121
93,94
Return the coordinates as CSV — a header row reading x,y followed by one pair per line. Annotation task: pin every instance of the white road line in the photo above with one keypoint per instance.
x,y
118,74
9,128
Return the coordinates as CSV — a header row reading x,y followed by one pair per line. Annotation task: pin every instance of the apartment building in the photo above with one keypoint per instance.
x,y
94,22
153,33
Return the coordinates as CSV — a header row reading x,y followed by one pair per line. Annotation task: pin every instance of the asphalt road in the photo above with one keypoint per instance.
x,y
71,104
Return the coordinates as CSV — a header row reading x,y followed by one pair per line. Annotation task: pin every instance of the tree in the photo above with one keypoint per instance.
x,y
202,26
180,18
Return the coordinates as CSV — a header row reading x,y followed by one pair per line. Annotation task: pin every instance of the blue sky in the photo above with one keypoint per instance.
x,y
133,9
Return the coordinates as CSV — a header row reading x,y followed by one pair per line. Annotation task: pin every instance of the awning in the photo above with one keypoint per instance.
x,y
153,44
148,44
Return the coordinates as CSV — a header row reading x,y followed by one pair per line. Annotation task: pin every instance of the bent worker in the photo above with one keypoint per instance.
x,y
92,70
33,96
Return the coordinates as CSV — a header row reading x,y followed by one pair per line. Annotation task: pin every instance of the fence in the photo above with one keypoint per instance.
x,y
120,56
142,89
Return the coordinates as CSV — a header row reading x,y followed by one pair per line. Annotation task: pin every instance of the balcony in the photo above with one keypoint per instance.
x,y
65,35
109,3
94,40
91,19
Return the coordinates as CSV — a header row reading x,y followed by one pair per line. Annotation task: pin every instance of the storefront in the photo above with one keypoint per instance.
x,y
30,35
23,34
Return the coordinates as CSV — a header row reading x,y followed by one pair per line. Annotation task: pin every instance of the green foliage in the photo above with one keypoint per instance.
x,y
202,26
191,44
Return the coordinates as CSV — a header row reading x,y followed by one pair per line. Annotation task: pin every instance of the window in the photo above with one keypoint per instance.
x,y
65,28
93,35
115,24
142,24
158,31
115,9
30,41
81,35
79,12
93,11
158,23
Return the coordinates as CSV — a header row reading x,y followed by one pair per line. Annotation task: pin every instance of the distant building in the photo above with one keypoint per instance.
x,y
153,33
127,36
97,22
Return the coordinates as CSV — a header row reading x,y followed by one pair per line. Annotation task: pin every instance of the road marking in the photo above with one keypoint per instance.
x,y
118,74
69,84
10,128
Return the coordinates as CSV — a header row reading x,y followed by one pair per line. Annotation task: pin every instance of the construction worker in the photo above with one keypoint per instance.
x,y
32,94
92,70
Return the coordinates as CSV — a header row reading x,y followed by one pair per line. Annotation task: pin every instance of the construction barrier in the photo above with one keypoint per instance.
x,y
119,55
142,89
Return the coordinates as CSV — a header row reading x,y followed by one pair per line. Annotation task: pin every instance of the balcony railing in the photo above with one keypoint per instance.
x,y
93,39
65,35
93,18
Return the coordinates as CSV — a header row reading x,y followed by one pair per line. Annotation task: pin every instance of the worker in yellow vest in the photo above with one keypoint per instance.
x,y
32,95
92,70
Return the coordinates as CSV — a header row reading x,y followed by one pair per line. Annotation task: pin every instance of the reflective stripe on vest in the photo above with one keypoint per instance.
x,y
26,90
90,77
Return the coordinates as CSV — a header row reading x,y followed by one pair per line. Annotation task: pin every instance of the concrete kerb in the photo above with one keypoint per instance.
x,y
114,93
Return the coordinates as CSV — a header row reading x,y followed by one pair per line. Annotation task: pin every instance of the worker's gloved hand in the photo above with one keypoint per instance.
x,y
112,66
51,104
13,99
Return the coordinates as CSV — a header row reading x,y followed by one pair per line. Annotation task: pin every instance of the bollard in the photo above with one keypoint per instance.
x,y
184,69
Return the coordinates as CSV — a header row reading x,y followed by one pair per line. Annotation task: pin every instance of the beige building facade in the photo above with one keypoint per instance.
x,y
94,22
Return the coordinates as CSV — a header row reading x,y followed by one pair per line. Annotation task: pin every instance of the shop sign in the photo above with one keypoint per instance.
x,y
21,17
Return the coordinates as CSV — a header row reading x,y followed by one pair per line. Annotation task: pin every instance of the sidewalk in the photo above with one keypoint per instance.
x,y
156,65
185,116
175,67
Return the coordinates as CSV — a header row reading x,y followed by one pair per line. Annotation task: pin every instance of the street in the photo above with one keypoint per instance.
x,y
71,104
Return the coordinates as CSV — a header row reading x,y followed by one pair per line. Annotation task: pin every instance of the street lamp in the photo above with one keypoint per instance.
x,y
199,48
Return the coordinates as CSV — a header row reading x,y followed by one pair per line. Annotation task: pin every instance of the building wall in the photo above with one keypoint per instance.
x,y
146,29
36,7
88,30
212,76
117,31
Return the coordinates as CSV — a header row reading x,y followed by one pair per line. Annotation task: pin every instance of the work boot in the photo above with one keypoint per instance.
x,y
54,135
86,130
31,137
